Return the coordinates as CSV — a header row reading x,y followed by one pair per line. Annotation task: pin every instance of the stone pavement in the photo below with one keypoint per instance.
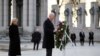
x,y
70,50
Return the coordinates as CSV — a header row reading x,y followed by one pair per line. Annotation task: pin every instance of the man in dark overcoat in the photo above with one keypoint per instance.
x,y
91,38
48,40
36,37
82,38
73,38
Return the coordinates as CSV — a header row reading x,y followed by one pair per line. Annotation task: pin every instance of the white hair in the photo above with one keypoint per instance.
x,y
51,14
37,28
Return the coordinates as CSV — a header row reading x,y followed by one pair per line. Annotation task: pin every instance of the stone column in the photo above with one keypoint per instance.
x,y
83,15
5,14
43,15
81,19
29,12
56,8
69,18
32,15
94,18
44,12
0,14
14,9
25,15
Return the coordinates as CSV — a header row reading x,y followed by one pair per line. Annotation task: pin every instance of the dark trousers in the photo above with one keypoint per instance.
x,y
14,55
74,41
91,41
82,42
48,52
35,46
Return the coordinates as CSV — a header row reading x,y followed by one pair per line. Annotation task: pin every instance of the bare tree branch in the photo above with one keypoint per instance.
x,y
61,3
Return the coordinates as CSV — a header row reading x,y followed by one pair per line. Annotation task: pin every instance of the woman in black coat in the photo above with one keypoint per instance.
x,y
14,47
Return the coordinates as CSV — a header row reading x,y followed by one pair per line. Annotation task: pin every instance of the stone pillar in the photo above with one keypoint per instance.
x,y
94,18
0,14
30,15
14,8
5,14
43,15
69,18
24,14
81,19
44,12
56,8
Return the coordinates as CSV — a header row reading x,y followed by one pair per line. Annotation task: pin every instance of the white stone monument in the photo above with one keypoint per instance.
x,y
81,15
68,14
94,15
56,8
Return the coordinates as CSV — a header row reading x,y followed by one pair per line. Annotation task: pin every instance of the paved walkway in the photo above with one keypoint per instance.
x,y
78,50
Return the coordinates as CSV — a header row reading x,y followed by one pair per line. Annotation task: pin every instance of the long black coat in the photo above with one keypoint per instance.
x,y
82,35
91,35
73,36
14,47
48,40
36,37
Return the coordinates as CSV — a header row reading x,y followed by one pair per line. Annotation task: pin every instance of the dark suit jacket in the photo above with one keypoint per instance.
x,y
36,37
91,35
82,35
48,40
73,36
14,47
